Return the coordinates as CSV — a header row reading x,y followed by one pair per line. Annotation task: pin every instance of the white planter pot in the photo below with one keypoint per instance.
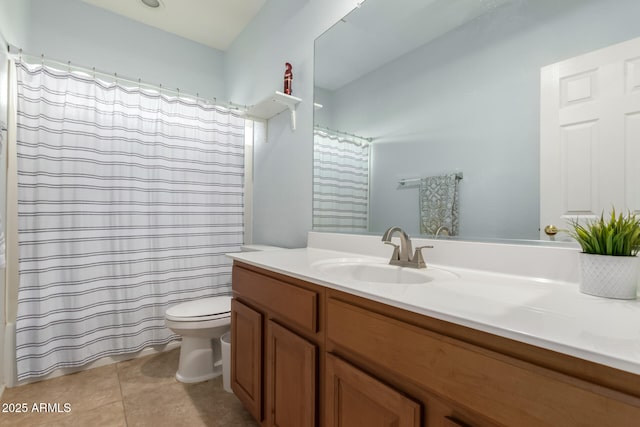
x,y
609,276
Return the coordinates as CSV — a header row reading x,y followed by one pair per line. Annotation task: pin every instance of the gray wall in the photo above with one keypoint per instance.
x,y
323,116
283,31
14,18
71,30
469,102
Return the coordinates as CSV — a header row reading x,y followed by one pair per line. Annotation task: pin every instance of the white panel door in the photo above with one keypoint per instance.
x,y
590,135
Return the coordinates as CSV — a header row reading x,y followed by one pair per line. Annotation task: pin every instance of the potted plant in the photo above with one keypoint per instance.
x,y
609,266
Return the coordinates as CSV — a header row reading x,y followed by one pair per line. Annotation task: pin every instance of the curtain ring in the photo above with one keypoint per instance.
x,y
69,66
94,72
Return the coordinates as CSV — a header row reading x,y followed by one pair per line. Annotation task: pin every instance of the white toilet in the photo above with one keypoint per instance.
x,y
201,323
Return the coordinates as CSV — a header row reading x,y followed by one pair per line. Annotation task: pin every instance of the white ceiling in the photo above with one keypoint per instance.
x,y
214,23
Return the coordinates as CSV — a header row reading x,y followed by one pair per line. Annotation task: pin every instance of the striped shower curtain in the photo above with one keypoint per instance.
x,y
340,183
128,201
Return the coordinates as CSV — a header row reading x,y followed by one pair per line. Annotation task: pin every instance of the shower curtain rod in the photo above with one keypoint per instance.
x,y
14,50
339,132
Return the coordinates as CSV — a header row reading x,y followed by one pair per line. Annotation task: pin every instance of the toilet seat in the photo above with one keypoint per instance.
x,y
201,310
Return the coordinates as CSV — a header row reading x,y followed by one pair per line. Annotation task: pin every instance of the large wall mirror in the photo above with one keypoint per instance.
x,y
440,99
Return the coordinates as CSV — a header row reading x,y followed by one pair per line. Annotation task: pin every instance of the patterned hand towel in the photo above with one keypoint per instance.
x,y
439,201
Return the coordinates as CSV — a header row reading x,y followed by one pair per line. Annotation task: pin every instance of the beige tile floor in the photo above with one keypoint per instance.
x,y
139,392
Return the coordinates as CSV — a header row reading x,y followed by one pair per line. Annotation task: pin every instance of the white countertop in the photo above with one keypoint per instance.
x,y
542,312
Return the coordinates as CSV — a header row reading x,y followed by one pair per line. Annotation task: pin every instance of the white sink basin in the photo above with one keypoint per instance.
x,y
363,270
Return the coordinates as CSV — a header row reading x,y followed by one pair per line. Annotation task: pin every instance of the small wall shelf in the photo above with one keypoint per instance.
x,y
274,105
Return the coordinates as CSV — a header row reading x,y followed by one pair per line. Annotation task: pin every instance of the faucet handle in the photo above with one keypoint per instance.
x,y
396,250
418,258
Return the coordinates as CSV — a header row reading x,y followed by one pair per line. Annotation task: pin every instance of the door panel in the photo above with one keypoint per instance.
x,y
632,158
579,178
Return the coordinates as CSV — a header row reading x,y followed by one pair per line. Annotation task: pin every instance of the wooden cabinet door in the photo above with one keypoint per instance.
x,y
355,399
246,357
291,378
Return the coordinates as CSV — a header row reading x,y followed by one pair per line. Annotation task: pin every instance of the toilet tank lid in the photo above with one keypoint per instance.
x,y
201,307
255,248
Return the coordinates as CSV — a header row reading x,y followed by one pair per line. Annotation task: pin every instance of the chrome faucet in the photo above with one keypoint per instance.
x,y
405,244
402,255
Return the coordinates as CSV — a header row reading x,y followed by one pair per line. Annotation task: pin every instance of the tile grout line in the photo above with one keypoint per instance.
x,y
124,409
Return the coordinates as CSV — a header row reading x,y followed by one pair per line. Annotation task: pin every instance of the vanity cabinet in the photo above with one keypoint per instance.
x,y
330,358
464,377
275,367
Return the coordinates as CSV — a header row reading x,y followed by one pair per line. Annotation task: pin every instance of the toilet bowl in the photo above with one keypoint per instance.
x,y
201,323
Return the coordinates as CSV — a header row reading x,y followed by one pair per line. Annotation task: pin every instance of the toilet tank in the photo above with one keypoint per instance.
x,y
256,248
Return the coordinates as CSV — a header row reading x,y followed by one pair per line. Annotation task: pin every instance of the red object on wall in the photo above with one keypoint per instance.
x,y
288,77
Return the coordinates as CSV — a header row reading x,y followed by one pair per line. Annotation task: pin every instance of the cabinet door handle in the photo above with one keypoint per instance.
x,y
453,422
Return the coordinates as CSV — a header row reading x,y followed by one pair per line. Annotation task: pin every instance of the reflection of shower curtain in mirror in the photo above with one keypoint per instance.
x,y
340,183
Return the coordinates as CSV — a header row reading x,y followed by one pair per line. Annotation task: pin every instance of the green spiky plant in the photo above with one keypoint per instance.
x,y
617,236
